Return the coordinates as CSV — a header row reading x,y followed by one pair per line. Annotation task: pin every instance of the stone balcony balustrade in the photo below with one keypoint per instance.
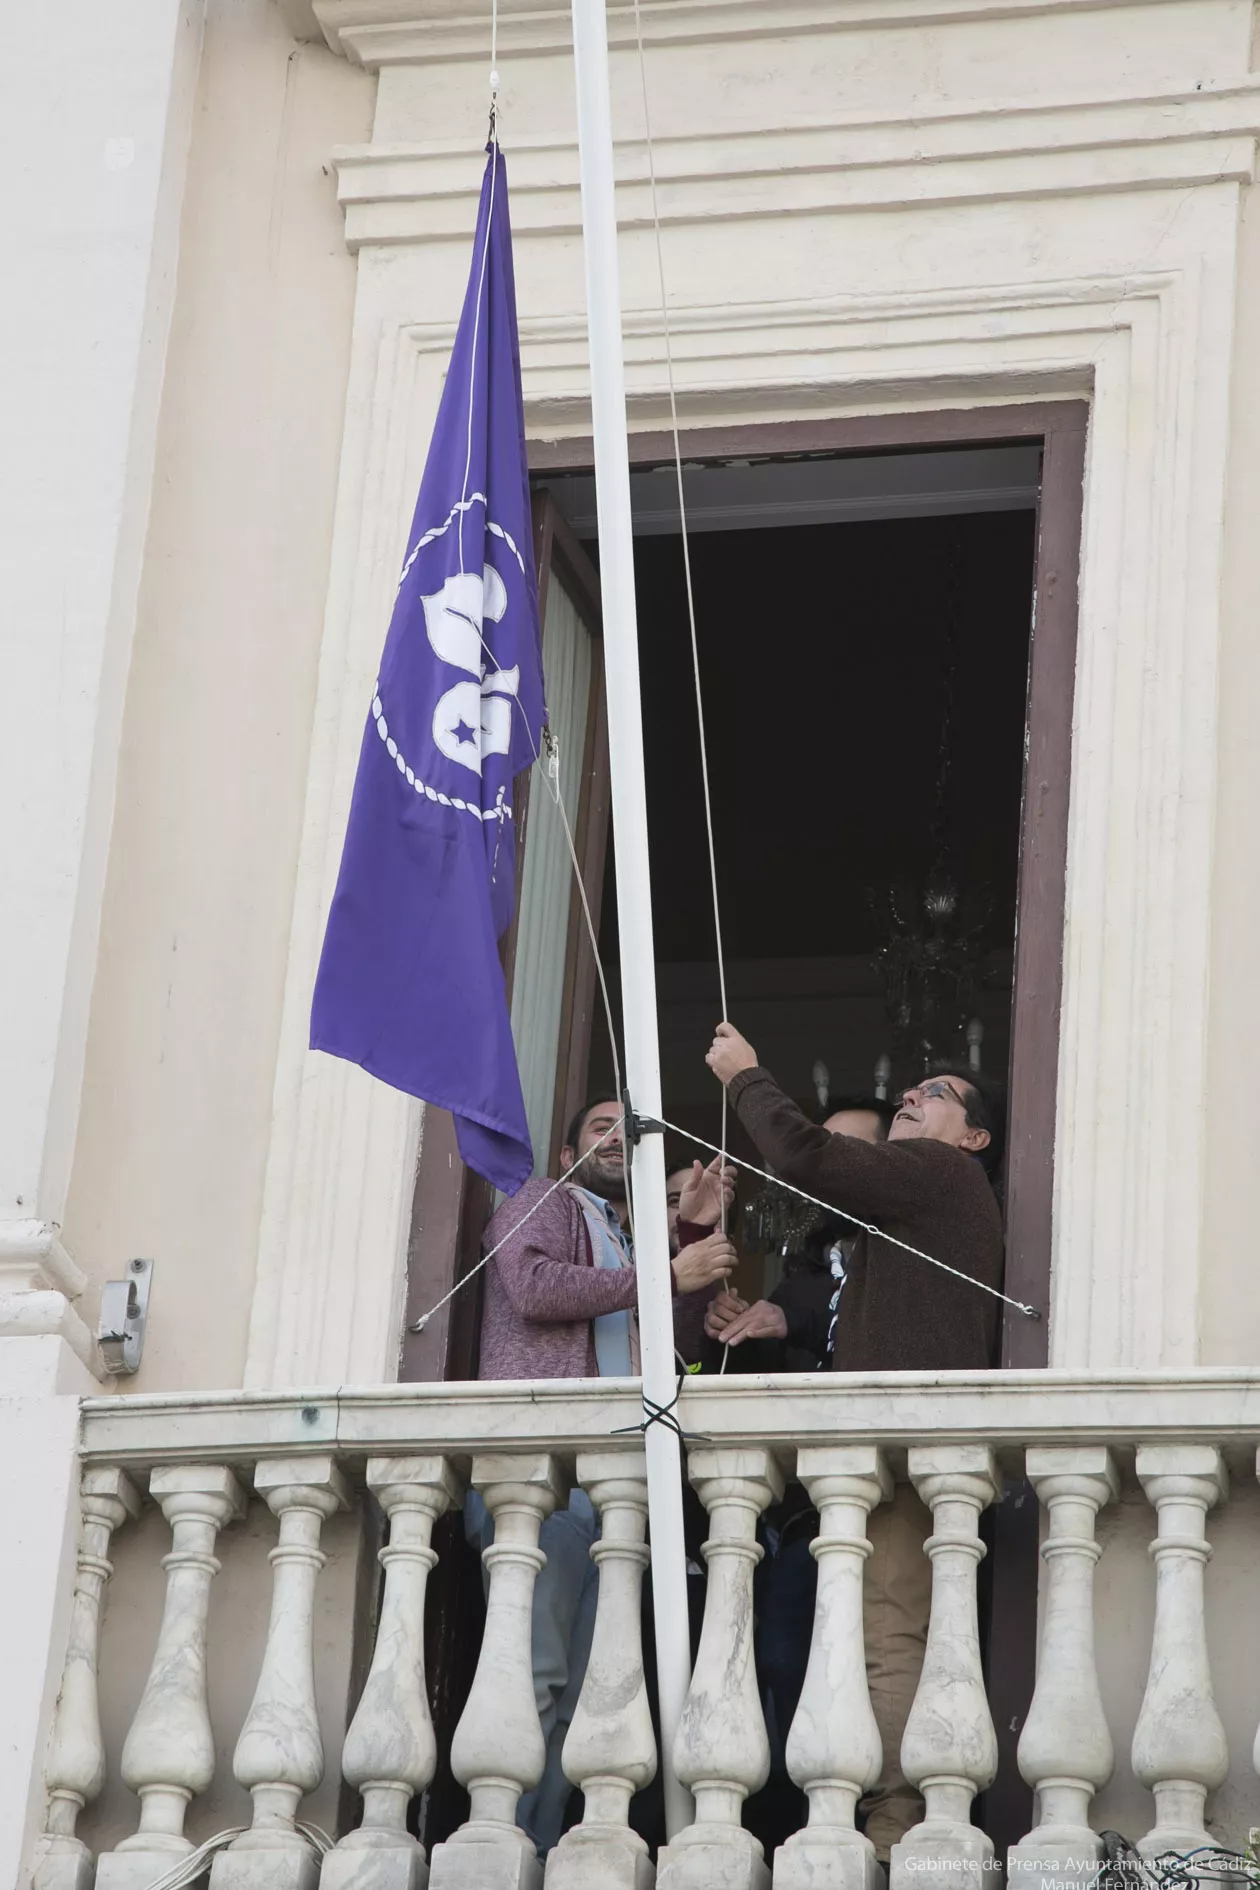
x,y
1166,1443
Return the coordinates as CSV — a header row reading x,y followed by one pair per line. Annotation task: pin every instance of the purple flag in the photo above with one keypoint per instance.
x,y
410,984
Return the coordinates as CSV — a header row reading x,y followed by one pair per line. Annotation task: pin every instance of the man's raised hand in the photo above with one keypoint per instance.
x,y
703,1193
730,1053
704,1262
764,1320
722,1309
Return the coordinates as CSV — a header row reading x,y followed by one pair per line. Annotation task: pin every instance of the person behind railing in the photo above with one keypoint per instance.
x,y
929,1186
559,1303
787,1576
813,1278
676,1180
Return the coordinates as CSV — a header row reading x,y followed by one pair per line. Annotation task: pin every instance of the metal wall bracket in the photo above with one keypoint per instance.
x,y
124,1313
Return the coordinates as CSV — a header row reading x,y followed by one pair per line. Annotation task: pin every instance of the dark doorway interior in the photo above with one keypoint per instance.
x,y
865,692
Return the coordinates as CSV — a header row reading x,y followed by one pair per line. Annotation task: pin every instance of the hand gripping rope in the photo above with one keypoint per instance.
x,y
867,1227
636,1126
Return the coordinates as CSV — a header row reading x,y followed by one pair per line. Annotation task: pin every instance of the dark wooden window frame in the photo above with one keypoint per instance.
x,y
1060,426
449,1210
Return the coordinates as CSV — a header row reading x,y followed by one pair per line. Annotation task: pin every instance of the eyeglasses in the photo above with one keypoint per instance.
x,y
935,1091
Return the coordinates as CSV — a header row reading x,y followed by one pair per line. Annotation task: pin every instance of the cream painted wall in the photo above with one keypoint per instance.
x,y
177,1093
1229,1319
94,140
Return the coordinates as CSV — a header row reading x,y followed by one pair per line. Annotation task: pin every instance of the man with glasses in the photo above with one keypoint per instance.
x,y
929,1186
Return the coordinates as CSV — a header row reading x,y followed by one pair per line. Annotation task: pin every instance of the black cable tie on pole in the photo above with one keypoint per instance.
x,y
662,1414
635,1127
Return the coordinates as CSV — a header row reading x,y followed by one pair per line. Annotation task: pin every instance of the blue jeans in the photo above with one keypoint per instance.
x,y
565,1594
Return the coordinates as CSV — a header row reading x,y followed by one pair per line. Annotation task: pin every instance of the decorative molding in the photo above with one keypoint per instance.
x,y
331,1276
32,1259
1150,348
39,1283
424,32
420,193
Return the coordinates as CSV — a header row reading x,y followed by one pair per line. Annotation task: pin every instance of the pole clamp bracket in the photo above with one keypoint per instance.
x,y
124,1315
635,1127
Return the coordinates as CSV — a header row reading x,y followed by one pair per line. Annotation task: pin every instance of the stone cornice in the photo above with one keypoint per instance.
x,y
389,32
407,193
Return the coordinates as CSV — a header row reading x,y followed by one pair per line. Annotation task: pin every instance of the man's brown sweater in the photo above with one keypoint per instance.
x,y
897,1313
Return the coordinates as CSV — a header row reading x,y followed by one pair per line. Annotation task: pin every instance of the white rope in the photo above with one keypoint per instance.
x,y
686,550
419,1324
551,775
867,1227
186,1870
472,370
494,70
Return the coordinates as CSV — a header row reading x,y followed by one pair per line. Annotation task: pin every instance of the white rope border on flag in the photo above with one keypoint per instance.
x,y
502,809
436,531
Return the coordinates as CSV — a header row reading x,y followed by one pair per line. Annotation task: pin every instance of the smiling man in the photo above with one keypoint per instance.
x,y
927,1185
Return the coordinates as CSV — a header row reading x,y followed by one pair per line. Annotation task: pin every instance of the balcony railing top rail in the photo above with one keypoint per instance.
x,y
1004,1410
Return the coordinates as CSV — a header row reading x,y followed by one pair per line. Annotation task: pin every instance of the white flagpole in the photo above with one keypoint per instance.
x,y
634,894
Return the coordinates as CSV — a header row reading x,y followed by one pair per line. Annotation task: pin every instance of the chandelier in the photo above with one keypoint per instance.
x,y
931,964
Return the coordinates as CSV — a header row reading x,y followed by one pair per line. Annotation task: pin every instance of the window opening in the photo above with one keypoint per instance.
x,y
864,628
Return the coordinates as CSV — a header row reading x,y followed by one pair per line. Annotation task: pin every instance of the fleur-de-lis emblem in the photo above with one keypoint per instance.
x,y
471,719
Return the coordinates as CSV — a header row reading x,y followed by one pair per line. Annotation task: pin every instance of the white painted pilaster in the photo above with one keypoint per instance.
x,y
97,132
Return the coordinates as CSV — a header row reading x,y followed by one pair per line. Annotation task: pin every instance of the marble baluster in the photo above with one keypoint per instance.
x,y
76,1758
1179,1748
497,1751
390,1752
950,1750
833,1748
722,1751
1065,1749
610,1750
169,1753
279,1755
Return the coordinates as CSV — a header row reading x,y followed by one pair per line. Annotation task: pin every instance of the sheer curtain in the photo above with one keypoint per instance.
x,y
547,884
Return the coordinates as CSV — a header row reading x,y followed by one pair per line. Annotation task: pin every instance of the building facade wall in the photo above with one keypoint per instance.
x,y
964,207
1002,202
866,208
174,1124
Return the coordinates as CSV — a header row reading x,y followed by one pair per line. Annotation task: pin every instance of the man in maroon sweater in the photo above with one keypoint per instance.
x,y
927,1185
559,1303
